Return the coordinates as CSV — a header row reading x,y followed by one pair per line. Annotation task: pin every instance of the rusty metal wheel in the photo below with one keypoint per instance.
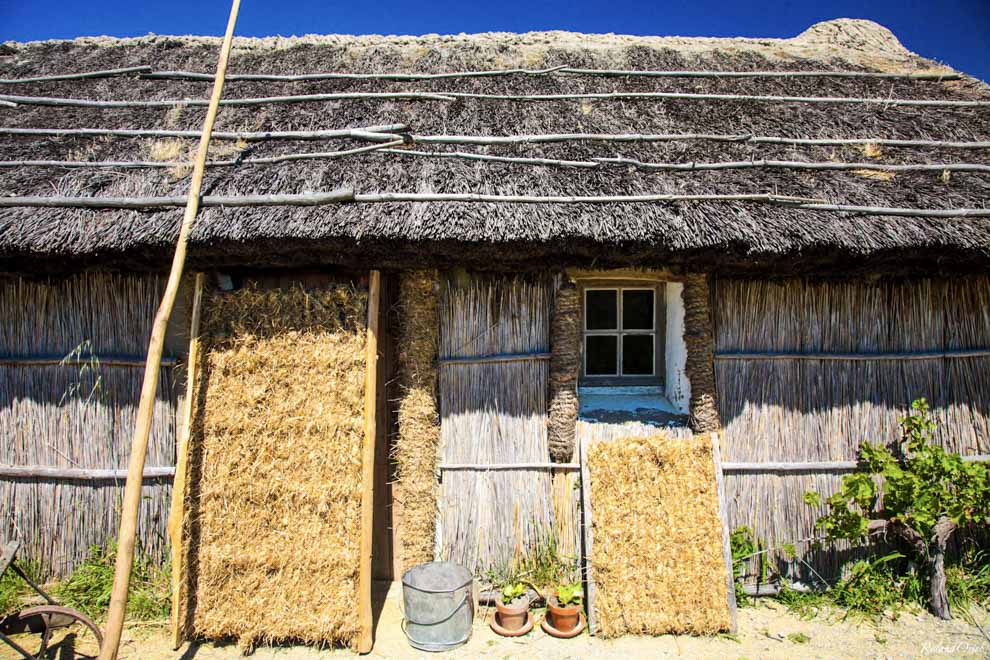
x,y
61,632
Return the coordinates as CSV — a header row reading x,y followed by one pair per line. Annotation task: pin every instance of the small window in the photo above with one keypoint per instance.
x,y
621,329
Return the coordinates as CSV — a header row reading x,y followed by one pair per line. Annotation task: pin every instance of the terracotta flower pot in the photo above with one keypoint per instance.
x,y
513,616
563,617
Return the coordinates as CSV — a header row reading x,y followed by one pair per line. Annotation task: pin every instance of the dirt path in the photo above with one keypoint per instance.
x,y
765,631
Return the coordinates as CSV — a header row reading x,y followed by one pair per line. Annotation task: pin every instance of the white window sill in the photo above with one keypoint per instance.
x,y
622,404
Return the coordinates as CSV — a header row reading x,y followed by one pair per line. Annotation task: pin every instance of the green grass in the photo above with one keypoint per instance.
x,y
13,587
88,588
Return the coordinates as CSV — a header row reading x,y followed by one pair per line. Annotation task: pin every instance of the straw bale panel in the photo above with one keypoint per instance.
x,y
78,415
418,440
565,361
817,410
276,480
658,559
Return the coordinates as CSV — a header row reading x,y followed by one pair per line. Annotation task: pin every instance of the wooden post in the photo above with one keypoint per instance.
x,y
366,635
584,438
723,514
139,442
177,511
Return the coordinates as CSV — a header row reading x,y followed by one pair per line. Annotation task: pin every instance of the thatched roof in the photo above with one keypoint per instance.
x,y
499,232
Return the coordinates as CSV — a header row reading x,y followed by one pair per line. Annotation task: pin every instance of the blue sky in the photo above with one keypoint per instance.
x,y
954,31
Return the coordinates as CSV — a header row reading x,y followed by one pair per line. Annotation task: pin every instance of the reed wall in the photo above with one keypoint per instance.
x,y
78,415
494,412
786,410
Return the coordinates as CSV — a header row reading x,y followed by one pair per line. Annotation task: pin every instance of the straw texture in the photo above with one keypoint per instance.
x,y
657,557
565,363
276,492
494,413
527,235
418,441
817,410
79,415
700,344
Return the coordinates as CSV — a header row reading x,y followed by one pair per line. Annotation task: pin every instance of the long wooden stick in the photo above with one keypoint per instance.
x,y
587,524
618,73
723,515
488,359
107,361
796,165
453,96
193,103
148,73
819,466
595,163
80,474
345,196
690,137
177,510
139,444
106,73
365,617
860,357
381,133
269,160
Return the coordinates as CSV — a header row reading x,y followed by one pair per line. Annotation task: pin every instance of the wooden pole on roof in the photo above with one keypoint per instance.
x,y
365,618
139,442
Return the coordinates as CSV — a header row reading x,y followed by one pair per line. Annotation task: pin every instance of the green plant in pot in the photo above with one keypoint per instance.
x,y
512,606
564,607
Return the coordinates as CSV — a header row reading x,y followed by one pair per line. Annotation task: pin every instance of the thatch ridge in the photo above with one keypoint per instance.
x,y
439,232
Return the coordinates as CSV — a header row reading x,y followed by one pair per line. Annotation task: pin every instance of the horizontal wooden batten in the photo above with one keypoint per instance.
x,y
345,195
487,359
450,97
561,70
510,466
859,357
109,361
387,132
104,73
380,133
148,73
79,474
817,466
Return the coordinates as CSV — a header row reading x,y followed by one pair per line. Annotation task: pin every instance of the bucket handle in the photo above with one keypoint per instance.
x,y
441,620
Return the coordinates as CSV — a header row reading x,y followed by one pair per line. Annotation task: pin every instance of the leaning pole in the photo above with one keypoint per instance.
x,y
139,442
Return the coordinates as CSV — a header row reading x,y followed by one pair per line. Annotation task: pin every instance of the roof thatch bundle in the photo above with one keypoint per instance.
x,y
866,172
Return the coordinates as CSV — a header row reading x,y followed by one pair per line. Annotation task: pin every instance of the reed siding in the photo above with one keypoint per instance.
x,y
494,413
78,415
785,410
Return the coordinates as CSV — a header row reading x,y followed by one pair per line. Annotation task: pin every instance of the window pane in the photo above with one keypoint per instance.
x,y
601,310
637,355
637,310
600,353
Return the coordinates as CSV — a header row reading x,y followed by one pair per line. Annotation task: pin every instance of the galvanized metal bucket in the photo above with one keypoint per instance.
x,y
438,605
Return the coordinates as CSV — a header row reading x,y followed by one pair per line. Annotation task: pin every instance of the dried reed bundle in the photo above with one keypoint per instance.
x,y
418,441
566,514
78,416
658,559
565,344
815,410
494,413
276,514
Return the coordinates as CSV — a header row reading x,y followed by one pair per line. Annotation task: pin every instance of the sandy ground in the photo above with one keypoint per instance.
x,y
766,630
